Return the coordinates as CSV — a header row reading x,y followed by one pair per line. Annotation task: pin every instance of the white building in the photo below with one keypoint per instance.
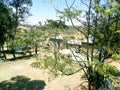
x,y
90,40
56,41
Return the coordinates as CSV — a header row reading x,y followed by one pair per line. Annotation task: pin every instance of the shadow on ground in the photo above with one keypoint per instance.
x,y
117,74
19,57
22,83
16,56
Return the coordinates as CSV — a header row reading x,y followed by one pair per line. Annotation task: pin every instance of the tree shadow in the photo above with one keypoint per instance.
x,y
22,83
117,88
19,57
117,74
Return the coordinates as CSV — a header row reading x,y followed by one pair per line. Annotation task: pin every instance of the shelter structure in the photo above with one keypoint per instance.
x,y
57,41
90,41
73,43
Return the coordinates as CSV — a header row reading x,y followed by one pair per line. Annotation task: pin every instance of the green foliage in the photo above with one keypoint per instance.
x,y
99,8
7,23
116,57
56,65
71,13
105,69
102,68
102,19
36,64
54,24
99,72
22,8
30,37
102,22
108,29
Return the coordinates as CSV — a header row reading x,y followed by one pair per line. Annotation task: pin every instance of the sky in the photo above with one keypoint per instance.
x,y
43,9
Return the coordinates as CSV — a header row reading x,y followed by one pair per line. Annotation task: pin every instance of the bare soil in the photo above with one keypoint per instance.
x,y
22,68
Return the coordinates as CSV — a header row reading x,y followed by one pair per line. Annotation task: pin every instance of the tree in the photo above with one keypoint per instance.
x,y
21,11
35,37
102,19
7,23
54,24
109,21
21,8
101,22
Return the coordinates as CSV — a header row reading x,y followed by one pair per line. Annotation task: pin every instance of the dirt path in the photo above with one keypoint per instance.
x,y
12,70
20,67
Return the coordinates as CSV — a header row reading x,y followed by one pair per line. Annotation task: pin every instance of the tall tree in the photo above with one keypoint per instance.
x,y
54,24
7,23
21,7
101,21
21,10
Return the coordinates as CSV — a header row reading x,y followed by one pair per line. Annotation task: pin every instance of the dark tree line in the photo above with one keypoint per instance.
x,y
54,24
7,23
9,19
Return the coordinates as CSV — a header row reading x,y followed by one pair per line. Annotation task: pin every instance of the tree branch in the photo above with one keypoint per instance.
x,y
76,27
69,7
84,3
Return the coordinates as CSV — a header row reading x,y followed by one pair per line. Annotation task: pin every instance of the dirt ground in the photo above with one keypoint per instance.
x,y
16,71
22,68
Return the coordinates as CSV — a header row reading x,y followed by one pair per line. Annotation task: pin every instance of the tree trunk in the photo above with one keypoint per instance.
x,y
89,85
13,52
36,50
4,52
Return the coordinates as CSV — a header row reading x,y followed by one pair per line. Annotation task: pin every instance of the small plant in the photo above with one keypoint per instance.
x,y
57,65
116,57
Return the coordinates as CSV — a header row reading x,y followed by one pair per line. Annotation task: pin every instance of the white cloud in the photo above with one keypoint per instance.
x,y
24,5
14,10
34,20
